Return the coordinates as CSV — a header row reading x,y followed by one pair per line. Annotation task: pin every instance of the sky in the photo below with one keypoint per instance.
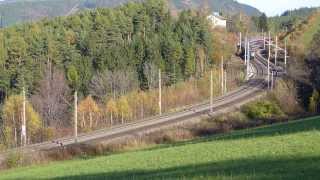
x,y
277,7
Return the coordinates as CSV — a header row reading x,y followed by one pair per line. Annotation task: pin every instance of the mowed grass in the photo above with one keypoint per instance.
x,y
283,151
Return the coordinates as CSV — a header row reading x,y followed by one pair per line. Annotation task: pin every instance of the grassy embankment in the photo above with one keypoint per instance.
x,y
283,151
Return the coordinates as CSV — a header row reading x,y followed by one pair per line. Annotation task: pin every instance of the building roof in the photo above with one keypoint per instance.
x,y
217,15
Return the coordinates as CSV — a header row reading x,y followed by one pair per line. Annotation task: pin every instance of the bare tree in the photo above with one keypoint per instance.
x,y
113,84
101,84
51,99
151,72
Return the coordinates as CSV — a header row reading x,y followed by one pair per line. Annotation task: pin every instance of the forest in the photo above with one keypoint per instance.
x,y
111,57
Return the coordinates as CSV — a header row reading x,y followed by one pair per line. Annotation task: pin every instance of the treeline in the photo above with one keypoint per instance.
x,y
313,63
104,55
133,38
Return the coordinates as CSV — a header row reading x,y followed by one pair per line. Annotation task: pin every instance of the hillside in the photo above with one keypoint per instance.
x,y
303,31
290,18
14,11
284,151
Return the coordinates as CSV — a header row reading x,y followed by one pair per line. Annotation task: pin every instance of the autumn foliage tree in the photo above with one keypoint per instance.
x,y
123,108
89,113
112,110
12,117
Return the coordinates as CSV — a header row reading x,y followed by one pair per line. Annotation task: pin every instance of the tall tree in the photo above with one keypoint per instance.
x,y
52,97
12,116
263,23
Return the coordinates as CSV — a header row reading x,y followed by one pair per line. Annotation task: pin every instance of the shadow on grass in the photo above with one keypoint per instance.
x,y
264,168
305,125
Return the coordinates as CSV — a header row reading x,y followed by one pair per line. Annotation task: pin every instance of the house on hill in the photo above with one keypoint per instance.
x,y
217,20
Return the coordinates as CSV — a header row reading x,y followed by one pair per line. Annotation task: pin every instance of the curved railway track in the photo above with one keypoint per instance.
x,y
254,87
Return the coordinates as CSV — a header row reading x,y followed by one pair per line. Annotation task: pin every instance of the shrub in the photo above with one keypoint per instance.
x,y
14,159
262,110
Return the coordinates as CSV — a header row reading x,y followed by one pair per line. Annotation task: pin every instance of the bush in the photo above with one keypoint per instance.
x,y
262,110
14,159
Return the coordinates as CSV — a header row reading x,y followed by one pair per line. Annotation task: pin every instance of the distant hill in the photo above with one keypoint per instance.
x,y
290,18
303,31
15,11
230,7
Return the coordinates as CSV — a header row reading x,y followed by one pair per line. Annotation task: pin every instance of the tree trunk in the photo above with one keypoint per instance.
x,y
83,121
122,118
15,137
142,112
90,120
111,119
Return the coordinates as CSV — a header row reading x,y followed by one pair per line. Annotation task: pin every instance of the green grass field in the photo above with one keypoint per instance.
x,y
284,151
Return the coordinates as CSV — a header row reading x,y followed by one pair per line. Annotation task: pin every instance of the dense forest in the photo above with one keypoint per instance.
x,y
103,54
131,39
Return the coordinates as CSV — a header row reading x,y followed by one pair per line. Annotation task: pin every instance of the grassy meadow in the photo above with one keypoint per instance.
x,y
281,151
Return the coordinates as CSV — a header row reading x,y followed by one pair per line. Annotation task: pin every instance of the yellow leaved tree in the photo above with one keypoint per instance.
x,y
12,121
112,110
123,108
88,111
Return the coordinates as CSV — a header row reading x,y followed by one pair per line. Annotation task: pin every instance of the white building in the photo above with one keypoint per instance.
x,y
217,20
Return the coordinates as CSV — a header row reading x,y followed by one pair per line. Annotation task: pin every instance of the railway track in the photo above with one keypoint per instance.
x,y
254,87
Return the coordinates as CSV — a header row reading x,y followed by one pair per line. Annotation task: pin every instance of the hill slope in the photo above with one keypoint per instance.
x,y
302,34
285,151
14,11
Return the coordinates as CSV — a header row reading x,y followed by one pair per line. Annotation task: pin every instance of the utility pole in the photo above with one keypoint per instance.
x,y
269,56
76,116
211,91
264,41
23,127
225,82
248,62
160,95
240,42
276,52
272,80
222,76
245,51
285,53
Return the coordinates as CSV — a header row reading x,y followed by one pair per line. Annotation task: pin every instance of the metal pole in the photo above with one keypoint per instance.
x,y
222,76
160,94
264,41
285,53
276,52
225,82
272,80
245,51
76,116
211,91
269,56
248,62
240,42
23,127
